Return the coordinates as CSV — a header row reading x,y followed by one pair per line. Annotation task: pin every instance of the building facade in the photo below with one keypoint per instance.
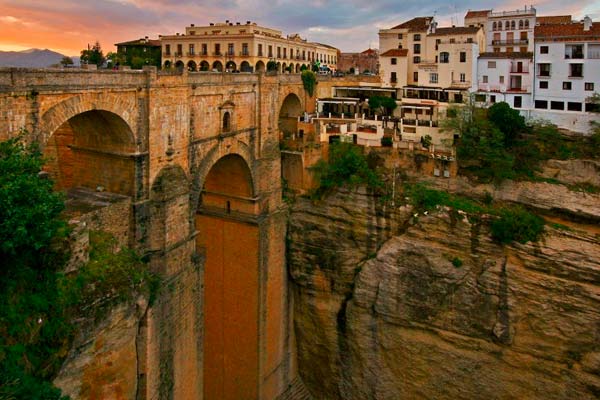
x,y
248,47
139,53
366,61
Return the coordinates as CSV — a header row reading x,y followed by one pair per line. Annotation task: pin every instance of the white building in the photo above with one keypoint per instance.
x,y
567,58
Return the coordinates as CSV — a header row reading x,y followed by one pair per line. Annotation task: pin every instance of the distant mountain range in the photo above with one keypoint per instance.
x,y
32,58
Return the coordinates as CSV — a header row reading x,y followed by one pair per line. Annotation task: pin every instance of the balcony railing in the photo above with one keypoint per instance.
x,y
190,54
244,53
574,56
167,54
516,70
177,54
217,53
512,42
529,11
461,83
489,88
518,89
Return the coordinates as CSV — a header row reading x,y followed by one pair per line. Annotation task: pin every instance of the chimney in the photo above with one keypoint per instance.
x,y
212,24
226,21
192,25
247,22
587,23
237,23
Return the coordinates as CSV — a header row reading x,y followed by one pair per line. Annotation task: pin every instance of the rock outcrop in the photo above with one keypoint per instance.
x,y
393,306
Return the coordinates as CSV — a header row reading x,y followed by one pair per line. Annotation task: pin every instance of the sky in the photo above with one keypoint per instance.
x,y
67,26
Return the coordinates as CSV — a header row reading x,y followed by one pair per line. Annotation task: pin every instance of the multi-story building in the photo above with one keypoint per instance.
x,y
567,70
140,52
365,61
241,47
505,69
430,67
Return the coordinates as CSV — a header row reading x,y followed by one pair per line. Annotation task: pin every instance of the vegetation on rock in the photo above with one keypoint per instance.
x,y
309,81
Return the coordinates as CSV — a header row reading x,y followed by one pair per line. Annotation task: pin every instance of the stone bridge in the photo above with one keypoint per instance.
x,y
198,156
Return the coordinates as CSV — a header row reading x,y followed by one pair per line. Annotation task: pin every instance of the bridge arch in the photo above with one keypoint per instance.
x,y
218,66
245,66
204,66
291,108
228,235
191,65
93,149
260,67
230,66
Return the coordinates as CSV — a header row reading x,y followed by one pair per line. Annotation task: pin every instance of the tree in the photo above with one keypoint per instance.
x,y
508,120
93,55
271,66
382,104
66,61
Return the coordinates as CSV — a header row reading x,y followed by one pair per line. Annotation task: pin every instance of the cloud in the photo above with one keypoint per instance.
x,y
347,24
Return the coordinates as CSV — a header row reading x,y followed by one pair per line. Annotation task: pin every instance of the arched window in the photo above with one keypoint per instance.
x,y
512,25
506,25
444,57
226,121
526,24
494,27
520,24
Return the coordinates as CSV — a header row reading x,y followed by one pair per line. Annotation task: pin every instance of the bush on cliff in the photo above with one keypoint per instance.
x,y
517,224
347,165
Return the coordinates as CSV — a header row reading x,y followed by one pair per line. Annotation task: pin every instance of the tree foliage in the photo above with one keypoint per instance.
x,y
382,104
271,66
309,81
508,120
347,165
517,224
65,61
93,55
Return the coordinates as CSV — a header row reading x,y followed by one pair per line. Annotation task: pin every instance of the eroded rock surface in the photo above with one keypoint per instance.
x,y
388,306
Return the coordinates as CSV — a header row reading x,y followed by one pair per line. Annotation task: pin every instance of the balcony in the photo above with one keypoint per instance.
x,y
514,69
190,54
461,84
527,11
244,53
177,54
574,56
513,42
518,89
217,53
167,54
484,87
230,54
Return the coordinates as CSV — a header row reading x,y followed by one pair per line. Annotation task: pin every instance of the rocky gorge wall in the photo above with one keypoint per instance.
x,y
389,305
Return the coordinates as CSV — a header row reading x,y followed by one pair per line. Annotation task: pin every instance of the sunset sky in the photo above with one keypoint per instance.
x,y
68,26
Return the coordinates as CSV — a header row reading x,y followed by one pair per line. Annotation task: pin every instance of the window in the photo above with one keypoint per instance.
x,y
574,106
543,84
541,104
416,76
501,79
576,70
278,52
417,48
523,49
417,37
592,107
226,122
399,36
494,27
179,49
513,25
574,51
444,57
217,49
204,49
485,79
463,57
491,64
416,59
543,49
394,60
244,49
526,24
463,77
433,77
544,69
400,46
589,86
520,24
469,40
480,98
523,36
230,49
493,98
191,49
506,25
167,49
260,50
393,78
557,105
270,55
518,102
452,40
304,56
496,49
566,85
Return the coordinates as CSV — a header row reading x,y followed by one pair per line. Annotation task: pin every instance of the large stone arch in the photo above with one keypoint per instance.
x,y
226,147
290,109
57,115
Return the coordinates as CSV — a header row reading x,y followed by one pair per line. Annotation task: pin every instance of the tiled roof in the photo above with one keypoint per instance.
x,y
140,42
456,30
514,54
554,19
395,53
565,32
477,13
369,52
416,24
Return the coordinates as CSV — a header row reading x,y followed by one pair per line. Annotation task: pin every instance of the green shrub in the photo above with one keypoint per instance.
x,y
309,81
457,262
387,141
347,166
517,224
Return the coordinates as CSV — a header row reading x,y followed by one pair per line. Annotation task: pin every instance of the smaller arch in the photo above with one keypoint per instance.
x,y
230,66
217,66
279,67
204,66
506,26
191,66
297,68
494,26
260,66
226,121
245,66
512,25
526,24
179,65
520,24
167,64
284,68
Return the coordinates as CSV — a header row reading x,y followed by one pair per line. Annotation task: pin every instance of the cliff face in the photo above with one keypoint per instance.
x,y
391,306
